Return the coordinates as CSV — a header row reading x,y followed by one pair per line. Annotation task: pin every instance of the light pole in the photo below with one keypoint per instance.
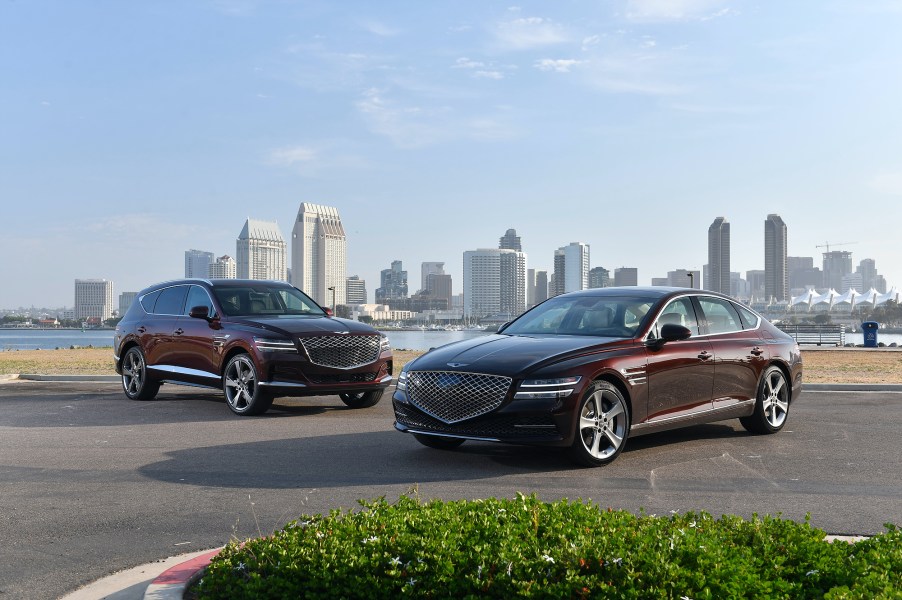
x,y
691,284
332,289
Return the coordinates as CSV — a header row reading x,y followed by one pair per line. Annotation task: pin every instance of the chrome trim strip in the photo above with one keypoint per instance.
x,y
442,435
535,426
285,384
704,414
386,379
182,371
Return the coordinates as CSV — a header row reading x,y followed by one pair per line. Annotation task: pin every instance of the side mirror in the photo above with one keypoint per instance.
x,y
200,312
503,326
671,332
328,312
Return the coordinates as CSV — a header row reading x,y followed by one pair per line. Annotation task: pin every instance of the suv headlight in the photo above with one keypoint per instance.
x,y
401,384
533,389
384,344
274,345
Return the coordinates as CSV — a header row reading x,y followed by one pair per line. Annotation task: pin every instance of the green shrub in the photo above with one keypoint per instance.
x,y
522,547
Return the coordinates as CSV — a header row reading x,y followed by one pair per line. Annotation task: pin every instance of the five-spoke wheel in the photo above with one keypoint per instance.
x,y
242,389
134,376
602,425
772,404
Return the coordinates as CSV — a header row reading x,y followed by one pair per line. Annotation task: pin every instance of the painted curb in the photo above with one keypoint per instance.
x,y
172,583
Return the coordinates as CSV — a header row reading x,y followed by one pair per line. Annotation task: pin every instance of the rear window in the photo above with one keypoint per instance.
x,y
148,300
171,301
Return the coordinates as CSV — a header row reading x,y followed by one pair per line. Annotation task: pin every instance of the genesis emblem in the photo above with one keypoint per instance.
x,y
455,365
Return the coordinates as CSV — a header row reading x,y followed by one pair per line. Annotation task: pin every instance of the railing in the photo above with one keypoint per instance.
x,y
826,335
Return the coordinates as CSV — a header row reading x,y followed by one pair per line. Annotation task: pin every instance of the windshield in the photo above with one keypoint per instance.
x,y
265,300
584,315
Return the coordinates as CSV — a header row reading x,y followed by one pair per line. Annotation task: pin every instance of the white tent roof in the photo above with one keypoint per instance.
x,y
827,297
804,298
893,295
849,296
867,297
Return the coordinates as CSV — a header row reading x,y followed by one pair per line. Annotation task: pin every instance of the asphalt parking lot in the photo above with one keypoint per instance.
x,y
92,483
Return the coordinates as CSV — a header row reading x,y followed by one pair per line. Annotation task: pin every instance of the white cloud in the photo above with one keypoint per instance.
x,y
588,42
380,29
292,156
887,183
557,65
466,63
419,126
530,32
676,10
488,74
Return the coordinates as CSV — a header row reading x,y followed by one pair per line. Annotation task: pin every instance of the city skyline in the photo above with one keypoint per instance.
x,y
628,126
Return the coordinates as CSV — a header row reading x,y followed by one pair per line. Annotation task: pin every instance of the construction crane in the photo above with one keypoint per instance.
x,y
828,244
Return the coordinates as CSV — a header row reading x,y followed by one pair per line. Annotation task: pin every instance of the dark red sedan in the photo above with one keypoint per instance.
x,y
588,369
255,340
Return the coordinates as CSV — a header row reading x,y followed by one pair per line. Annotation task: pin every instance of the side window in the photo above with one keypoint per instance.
x,y
679,312
749,319
171,300
720,315
148,300
197,296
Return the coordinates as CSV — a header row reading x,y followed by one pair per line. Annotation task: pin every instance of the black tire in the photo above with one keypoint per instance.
x,y
439,442
135,383
361,399
241,387
771,404
602,426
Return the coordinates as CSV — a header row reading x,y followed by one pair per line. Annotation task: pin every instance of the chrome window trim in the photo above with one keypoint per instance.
x,y
647,337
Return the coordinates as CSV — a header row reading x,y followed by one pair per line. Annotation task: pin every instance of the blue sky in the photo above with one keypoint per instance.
x,y
133,131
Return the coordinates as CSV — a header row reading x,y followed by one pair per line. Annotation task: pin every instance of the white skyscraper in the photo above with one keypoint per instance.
x,y
223,267
319,253
261,251
197,263
93,299
571,268
494,282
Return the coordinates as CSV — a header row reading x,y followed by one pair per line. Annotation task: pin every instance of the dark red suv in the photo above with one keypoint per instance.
x,y
255,340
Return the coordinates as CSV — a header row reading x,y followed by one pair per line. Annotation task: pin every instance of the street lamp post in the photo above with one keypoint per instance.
x,y
691,284
332,289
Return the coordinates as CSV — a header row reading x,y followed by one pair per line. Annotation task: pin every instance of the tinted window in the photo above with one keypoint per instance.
x,y
171,301
749,319
720,315
679,312
265,300
148,300
583,315
197,296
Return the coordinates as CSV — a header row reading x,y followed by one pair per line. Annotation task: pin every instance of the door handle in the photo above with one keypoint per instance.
x,y
757,351
705,355
179,331
142,329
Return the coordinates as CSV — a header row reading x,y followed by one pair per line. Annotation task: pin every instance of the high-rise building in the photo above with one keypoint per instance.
x,y
430,268
684,278
261,251
125,301
776,274
223,267
510,241
319,253
394,284
93,299
541,293
494,282
599,277
571,268
755,279
739,287
626,276
719,256
197,263
356,290
837,263
870,278
438,285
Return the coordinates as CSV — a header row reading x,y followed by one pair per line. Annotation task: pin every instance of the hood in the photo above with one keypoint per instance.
x,y
510,355
305,326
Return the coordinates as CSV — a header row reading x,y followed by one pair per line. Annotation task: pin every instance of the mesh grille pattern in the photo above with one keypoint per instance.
x,y
452,397
342,351
501,428
351,378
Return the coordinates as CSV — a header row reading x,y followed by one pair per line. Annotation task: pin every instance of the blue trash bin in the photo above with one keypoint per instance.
x,y
869,331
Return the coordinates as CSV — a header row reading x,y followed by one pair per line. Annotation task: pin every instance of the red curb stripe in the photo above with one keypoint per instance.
x,y
182,573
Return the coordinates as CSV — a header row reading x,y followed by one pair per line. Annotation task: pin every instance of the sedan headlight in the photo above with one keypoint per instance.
x,y
534,389
274,345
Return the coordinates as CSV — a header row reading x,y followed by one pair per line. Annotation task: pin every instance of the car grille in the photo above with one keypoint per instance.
x,y
453,397
350,378
536,427
342,351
